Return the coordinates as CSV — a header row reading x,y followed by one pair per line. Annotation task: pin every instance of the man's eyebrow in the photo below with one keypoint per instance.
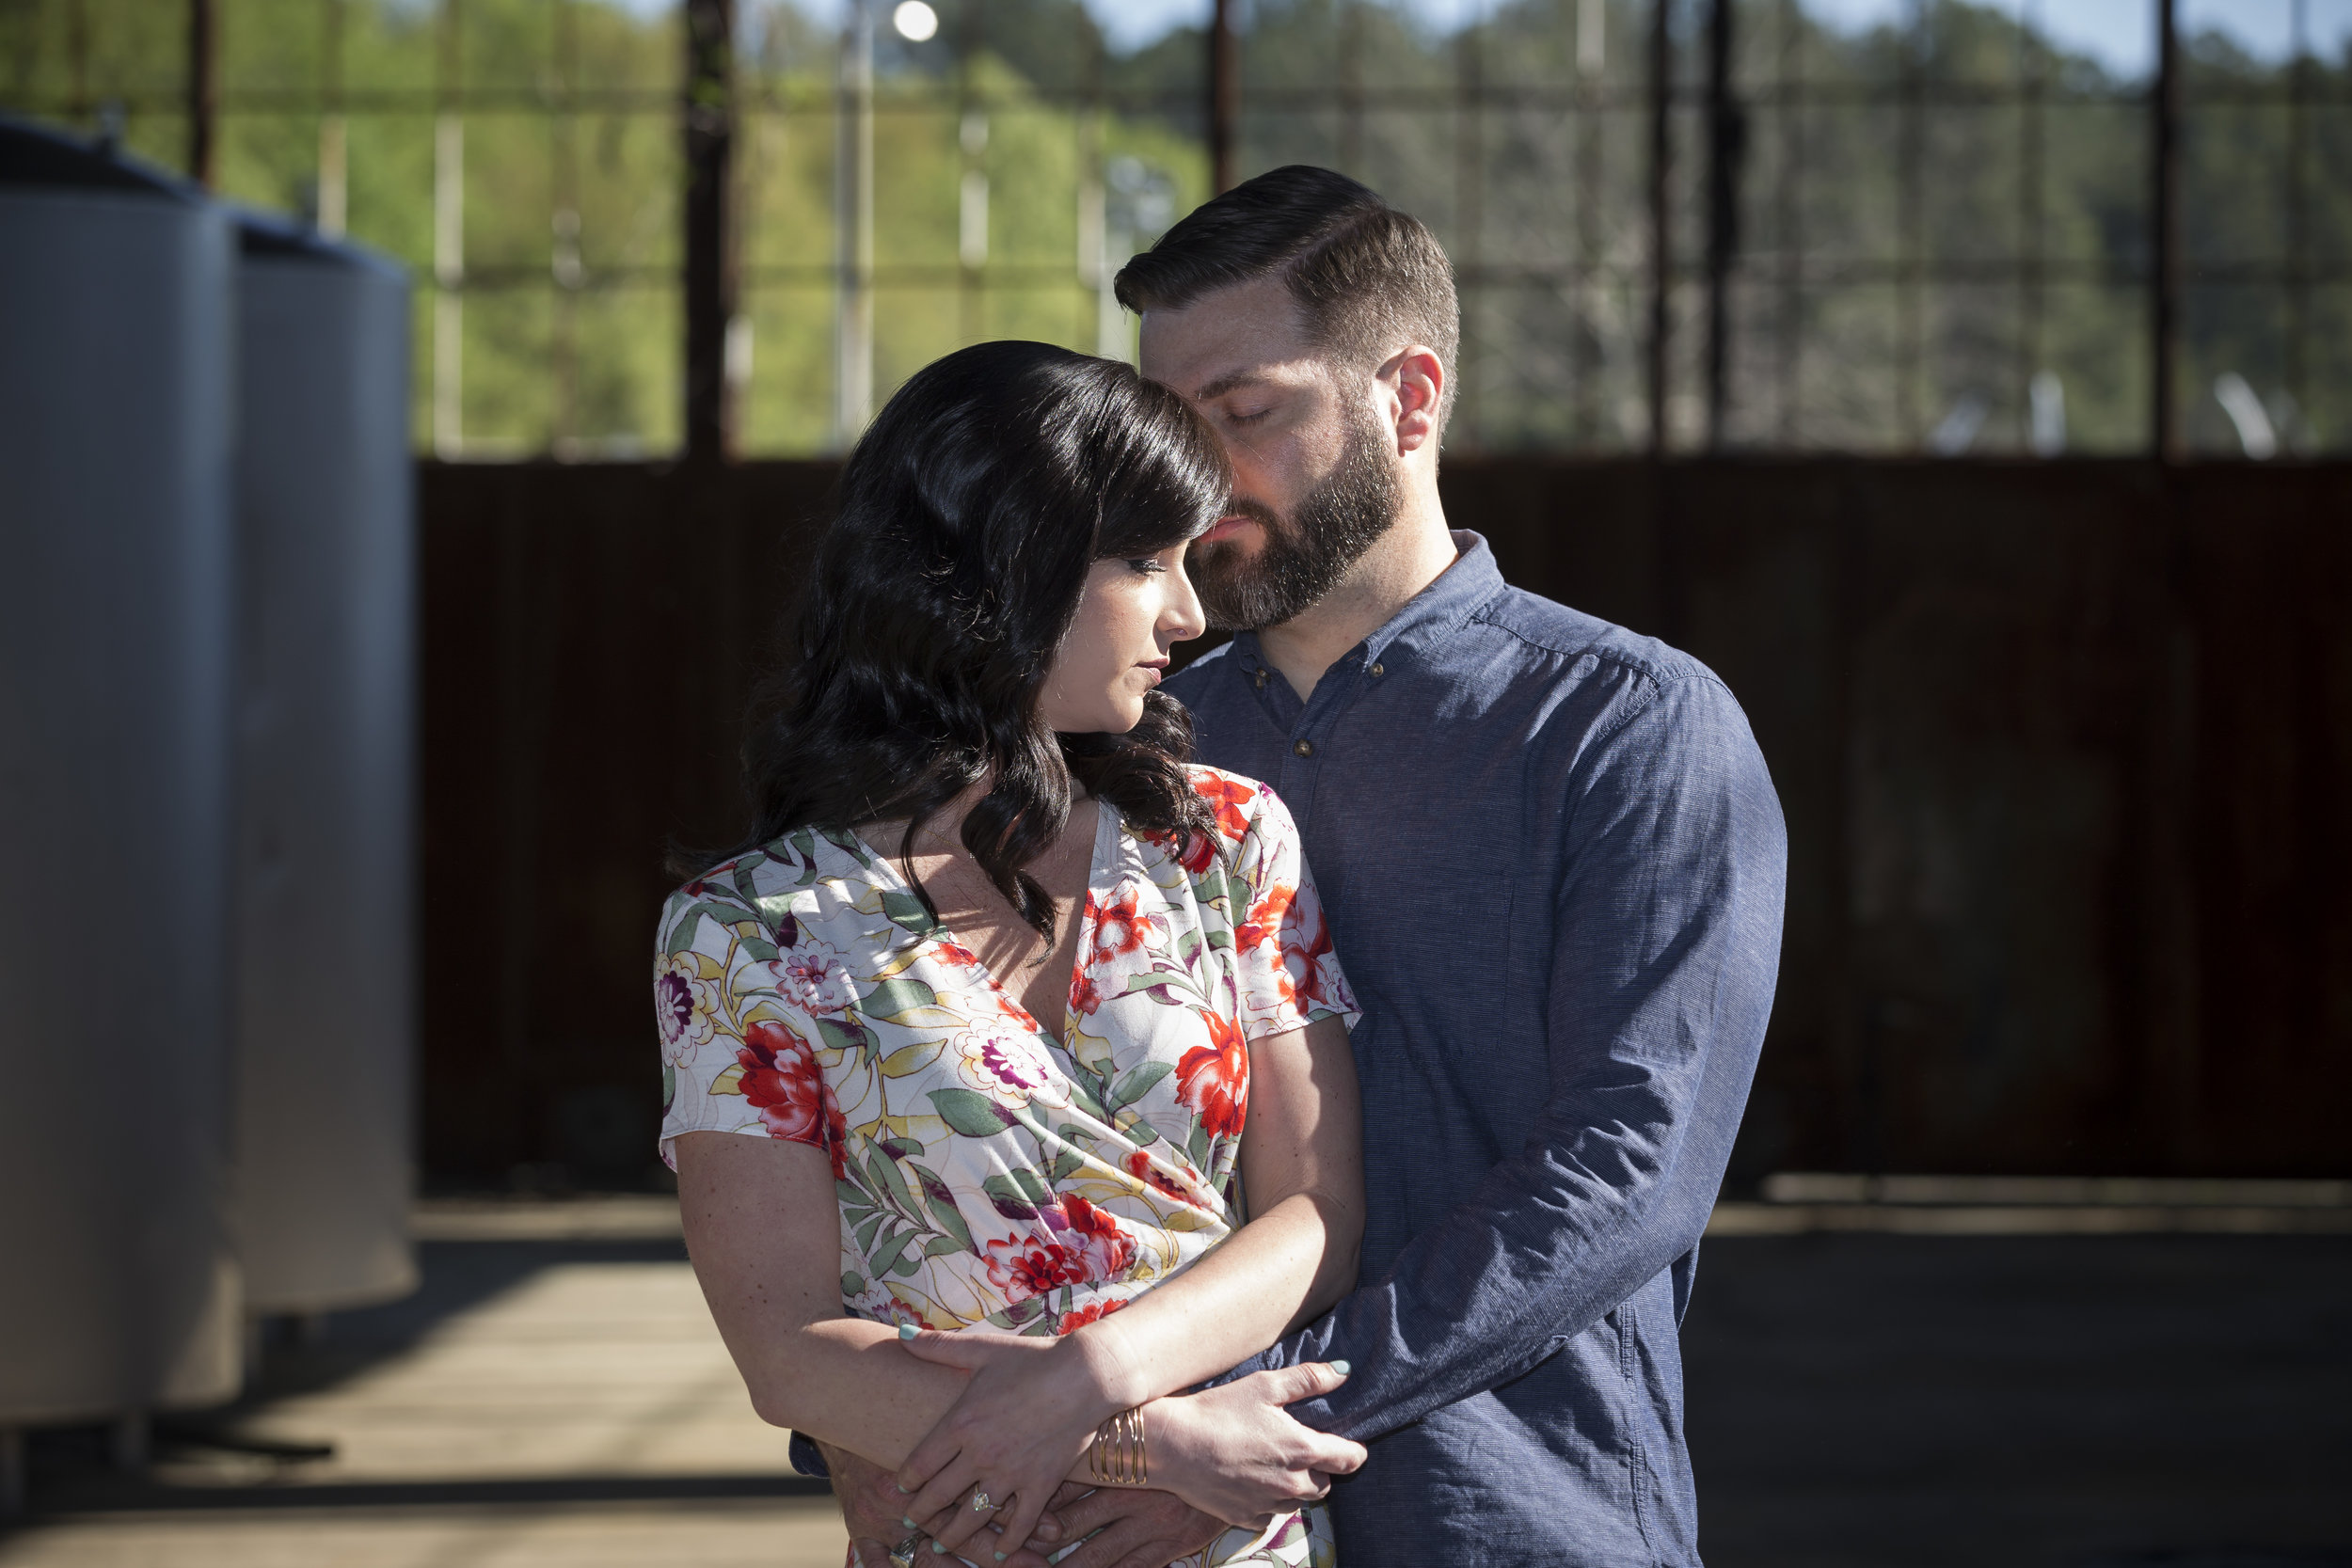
x,y
1227,382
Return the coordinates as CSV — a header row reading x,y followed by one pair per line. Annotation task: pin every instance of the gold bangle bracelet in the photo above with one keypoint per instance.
x,y
1116,1458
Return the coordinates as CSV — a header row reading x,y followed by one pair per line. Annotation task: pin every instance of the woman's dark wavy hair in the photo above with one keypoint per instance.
x,y
969,514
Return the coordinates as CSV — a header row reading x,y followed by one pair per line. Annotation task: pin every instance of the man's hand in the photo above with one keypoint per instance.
x,y
1140,1529
875,1511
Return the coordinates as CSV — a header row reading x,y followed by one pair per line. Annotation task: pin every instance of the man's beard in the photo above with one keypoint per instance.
x,y
1304,557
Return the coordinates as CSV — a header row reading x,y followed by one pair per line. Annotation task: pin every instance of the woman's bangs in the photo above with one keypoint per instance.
x,y
1170,480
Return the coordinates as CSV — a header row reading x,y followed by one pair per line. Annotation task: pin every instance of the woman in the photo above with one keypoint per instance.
x,y
1014,1006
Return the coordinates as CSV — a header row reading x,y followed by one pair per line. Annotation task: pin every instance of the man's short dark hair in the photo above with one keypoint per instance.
x,y
1367,277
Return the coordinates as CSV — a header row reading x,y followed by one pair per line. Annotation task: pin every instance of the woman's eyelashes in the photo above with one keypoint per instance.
x,y
1149,563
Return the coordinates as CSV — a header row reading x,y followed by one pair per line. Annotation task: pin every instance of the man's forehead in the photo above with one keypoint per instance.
x,y
1225,339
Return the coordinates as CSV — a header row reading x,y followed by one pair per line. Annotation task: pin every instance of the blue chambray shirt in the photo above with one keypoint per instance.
x,y
1553,864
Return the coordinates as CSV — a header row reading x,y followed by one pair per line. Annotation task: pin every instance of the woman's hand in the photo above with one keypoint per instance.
x,y
1236,1453
1021,1424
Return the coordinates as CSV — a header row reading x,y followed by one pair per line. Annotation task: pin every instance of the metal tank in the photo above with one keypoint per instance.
x,y
118,1281
324,853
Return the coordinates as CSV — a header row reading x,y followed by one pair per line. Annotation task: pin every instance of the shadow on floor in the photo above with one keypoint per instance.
x,y
71,1471
2091,1401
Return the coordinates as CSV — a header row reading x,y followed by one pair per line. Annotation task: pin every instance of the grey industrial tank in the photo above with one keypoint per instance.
x,y
324,853
118,1281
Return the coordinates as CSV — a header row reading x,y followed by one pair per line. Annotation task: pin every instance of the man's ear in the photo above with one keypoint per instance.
x,y
1417,379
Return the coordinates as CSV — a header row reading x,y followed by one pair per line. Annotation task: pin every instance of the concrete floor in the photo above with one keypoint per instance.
x,y
537,1404
2092,1400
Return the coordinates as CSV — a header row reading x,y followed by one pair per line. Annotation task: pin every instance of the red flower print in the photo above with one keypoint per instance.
x,y
1226,797
1105,1248
1085,995
1091,1312
1027,1266
1306,942
1193,851
1263,927
950,951
1214,1079
787,1088
1119,926
1140,1166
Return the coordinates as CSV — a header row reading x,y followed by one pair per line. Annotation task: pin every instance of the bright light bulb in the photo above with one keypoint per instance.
x,y
915,21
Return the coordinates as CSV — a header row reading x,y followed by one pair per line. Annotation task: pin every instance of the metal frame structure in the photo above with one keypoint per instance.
x,y
713,101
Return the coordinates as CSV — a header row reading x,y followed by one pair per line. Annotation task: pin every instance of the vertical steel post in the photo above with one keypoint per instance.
x,y
1224,97
854,228
709,280
203,89
449,236
1660,227
1727,148
2164,242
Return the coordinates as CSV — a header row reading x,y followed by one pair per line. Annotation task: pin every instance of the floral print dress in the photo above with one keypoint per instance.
x,y
988,1171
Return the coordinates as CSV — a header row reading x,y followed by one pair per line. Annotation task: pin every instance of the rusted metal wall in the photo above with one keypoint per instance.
x,y
2065,749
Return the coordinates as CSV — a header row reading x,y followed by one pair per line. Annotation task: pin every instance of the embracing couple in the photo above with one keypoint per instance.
x,y
1260,1115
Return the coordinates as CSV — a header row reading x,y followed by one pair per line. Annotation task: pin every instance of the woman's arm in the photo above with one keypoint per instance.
x,y
1302,1172
763,1227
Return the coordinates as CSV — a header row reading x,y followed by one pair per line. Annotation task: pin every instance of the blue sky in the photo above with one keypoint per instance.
x,y
2119,34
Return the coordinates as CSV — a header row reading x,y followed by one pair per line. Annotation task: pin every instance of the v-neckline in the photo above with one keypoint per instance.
x,y
1099,863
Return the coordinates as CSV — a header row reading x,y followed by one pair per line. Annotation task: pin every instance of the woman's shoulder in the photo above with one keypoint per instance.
x,y
809,876
1240,804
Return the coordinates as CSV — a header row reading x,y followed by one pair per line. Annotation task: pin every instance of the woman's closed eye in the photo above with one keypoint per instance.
x,y
1148,563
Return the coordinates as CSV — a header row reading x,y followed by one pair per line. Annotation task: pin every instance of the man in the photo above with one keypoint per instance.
x,y
1553,865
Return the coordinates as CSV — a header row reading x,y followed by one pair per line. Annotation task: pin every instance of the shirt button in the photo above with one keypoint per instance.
x,y
1376,669
1304,747
1259,680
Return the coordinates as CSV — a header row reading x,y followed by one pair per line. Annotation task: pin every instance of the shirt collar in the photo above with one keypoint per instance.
x,y
1429,616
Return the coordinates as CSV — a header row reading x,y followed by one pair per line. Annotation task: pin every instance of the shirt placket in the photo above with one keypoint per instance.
x,y
1313,724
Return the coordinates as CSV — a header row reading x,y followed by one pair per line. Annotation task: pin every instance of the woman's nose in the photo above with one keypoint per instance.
x,y
1182,619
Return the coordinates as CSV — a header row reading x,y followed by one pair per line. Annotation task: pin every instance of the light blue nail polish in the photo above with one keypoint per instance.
x,y
1000,1557
936,1547
1342,1367
906,1331
907,1522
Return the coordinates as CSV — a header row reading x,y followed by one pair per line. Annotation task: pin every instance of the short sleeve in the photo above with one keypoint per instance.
x,y
738,1054
1290,977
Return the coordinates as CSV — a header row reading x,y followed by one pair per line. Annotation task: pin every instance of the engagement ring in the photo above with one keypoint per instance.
x,y
980,1503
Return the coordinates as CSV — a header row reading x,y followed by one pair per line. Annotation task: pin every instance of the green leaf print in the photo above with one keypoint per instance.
x,y
1010,1200
971,1114
853,1285
866,1231
885,1172
940,1246
763,951
1197,1146
1142,1081
1067,1163
905,911
893,1257
841,1036
951,1221
891,998
899,1146
850,1192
